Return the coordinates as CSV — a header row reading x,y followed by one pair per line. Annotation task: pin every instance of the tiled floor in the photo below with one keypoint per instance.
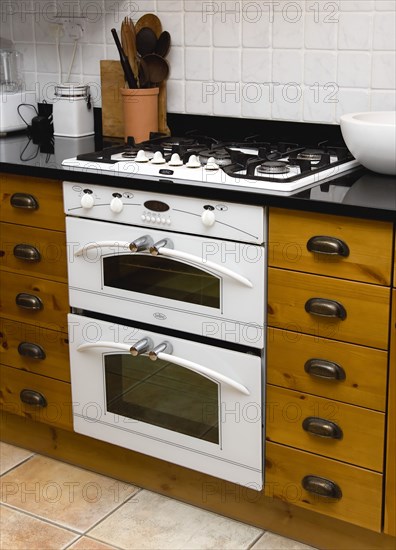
x,y
50,505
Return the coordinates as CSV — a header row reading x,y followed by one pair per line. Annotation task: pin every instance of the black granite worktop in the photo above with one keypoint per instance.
x,y
358,193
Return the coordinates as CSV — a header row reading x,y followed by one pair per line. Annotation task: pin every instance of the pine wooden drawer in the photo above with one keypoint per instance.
x,y
31,201
311,423
52,398
49,298
367,245
361,490
34,349
33,251
366,307
327,368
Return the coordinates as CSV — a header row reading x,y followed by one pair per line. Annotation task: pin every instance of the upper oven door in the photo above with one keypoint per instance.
x,y
200,285
189,403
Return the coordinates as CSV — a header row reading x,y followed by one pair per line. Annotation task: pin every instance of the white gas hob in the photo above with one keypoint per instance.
x,y
261,167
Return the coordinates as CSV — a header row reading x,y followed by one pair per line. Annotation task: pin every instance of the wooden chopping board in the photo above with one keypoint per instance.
x,y
112,79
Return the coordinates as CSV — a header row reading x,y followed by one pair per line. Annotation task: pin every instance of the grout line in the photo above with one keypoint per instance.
x,y
17,465
44,520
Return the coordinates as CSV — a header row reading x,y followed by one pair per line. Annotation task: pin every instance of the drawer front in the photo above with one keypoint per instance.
x,y
34,349
361,490
327,368
329,428
36,397
31,201
42,302
33,251
366,307
348,248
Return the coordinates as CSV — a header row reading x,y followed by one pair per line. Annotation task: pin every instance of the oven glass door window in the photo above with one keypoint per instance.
x,y
162,394
162,277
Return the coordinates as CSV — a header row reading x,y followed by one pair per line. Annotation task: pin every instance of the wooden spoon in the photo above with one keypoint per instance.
x,y
158,68
146,41
128,32
163,44
151,21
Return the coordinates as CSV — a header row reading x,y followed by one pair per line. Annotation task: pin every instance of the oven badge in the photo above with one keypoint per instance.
x,y
160,316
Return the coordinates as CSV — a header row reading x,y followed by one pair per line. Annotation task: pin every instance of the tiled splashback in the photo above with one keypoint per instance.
x,y
301,60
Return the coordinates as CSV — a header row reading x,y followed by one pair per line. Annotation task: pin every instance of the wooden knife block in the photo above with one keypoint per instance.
x,y
112,79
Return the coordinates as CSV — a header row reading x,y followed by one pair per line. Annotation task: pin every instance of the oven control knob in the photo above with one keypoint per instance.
x,y
87,200
208,218
116,205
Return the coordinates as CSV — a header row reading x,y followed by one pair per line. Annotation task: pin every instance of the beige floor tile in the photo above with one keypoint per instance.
x,y
69,496
153,521
11,456
19,531
270,541
85,543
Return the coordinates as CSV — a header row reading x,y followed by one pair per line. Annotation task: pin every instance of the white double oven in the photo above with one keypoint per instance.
x,y
167,330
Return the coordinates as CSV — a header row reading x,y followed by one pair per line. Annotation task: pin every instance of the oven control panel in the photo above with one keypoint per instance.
x,y
244,223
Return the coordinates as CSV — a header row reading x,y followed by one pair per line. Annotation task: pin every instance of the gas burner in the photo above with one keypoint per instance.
x,y
177,142
310,154
219,155
129,153
273,167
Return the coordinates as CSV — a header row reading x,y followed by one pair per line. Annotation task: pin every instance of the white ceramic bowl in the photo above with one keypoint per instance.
x,y
371,138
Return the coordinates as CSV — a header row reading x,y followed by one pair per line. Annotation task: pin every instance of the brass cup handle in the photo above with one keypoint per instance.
x,y
32,397
322,487
326,370
29,301
323,307
27,253
330,246
24,201
320,427
32,351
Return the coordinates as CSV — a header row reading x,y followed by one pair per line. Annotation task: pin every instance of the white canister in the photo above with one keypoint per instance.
x,y
72,111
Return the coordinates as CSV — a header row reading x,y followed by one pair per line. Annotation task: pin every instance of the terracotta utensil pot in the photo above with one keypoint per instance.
x,y
140,112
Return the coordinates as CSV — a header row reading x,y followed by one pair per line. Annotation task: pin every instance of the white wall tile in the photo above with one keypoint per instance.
x,y
175,93
320,67
287,103
356,5
22,28
354,31
384,36
91,56
321,31
288,32
169,5
176,63
199,98
384,71
198,64
256,66
385,5
196,31
226,32
174,24
227,101
227,65
354,69
383,101
287,66
319,104
352,101
256,33
255,99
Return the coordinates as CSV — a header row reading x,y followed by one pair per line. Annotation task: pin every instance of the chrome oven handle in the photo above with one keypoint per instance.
x,y
200,369
177,254
121,245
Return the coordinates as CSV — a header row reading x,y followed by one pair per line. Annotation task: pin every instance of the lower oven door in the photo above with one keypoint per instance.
x,y
185,402
195,284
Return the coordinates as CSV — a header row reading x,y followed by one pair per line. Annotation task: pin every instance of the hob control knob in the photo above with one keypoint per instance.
x,y
87,201
116,205
208,218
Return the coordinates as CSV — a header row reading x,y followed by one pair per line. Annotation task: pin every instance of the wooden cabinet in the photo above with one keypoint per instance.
x,y
329,300
35,371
